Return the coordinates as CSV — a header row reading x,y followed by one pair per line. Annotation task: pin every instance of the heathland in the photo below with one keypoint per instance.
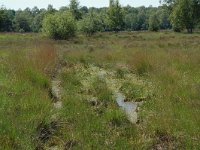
x,y
162,69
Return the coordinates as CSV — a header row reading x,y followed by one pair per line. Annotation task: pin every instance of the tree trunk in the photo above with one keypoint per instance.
x,y
190,28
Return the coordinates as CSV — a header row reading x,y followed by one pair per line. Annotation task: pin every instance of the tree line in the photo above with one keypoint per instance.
x,y
63,23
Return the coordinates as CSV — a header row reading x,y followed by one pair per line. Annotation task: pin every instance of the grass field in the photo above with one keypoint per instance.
x,y
162,68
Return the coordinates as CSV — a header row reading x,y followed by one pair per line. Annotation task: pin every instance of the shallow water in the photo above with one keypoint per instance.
x,y
129,107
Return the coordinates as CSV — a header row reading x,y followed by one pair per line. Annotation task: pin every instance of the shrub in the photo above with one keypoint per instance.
x,y
59,26
90,24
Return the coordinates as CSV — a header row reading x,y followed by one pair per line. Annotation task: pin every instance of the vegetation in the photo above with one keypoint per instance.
x,y
185,14
24,89
112,18
173,14
167,70
59,26
115,15
90,24
74,9
5,21
153,23
60,93
168,119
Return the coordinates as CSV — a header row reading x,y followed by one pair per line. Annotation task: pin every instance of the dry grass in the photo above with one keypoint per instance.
x,y
44,55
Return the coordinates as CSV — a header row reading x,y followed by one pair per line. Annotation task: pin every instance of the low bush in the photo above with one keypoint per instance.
x,y
59,26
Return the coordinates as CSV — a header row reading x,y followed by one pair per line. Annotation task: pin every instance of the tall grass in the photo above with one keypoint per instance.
x,y
24,92
169,118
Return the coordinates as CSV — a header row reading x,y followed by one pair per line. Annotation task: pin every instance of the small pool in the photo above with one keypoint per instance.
x,y
129,107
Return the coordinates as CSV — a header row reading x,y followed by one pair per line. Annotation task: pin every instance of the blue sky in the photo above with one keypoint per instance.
x,y
16,4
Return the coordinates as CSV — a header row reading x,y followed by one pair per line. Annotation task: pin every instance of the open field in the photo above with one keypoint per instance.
x,y
162,69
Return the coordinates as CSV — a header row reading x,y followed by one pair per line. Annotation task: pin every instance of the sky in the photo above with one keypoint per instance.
x,y
16,4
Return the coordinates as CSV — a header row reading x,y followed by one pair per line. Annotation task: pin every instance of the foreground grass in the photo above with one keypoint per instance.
x,y
25,103
169,118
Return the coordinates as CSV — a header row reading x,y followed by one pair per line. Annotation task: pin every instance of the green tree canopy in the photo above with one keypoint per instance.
x,y
5,20
74,8
59,26
185,14
154,22
116,15
90,24
22,20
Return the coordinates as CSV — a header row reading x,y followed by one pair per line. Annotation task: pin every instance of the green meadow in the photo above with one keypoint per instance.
x,y
161,69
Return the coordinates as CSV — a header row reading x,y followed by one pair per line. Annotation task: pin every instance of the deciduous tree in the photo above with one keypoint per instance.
x,y
116,15
5,20
74,8
185,14
90,24
154,22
